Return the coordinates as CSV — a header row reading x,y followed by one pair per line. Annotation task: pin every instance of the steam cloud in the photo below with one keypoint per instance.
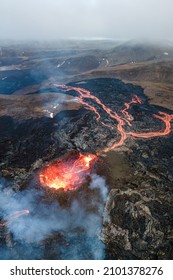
x,y
78,226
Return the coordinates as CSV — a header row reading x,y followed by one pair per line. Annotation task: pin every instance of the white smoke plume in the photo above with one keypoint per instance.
x,y
79,225
99,183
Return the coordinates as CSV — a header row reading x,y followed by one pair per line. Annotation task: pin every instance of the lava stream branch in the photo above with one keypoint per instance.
x,y
83,93
15,216
166,118
125,112
126,119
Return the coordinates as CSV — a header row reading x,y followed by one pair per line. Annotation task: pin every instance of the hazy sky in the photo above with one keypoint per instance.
x,y
53,19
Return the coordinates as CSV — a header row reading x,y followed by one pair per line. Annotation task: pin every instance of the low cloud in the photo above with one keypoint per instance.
x,y
118,19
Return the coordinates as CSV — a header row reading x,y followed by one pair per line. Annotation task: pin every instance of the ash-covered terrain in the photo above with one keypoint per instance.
x,y
65,109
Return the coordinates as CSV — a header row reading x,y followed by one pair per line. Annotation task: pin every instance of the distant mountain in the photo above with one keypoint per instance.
x,y
132,52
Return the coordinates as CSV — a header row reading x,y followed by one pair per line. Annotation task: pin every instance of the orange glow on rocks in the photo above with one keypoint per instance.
x,y
67,174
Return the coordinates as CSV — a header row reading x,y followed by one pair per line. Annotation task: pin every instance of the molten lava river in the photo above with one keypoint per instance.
x,y
70,174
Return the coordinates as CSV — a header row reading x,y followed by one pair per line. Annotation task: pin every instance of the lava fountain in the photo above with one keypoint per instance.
x,y
67,174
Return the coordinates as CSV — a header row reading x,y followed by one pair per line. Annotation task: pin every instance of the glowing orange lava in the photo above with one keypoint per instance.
x,y
122,118
67,174
15,216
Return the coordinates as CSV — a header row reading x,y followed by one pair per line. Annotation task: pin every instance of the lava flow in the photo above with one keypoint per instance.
x,y
122,117
71,173
67,174
15,216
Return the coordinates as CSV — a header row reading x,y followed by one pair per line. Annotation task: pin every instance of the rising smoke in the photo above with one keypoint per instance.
x,y
77,226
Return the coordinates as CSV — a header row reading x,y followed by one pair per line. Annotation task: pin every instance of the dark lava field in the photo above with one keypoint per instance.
x,y
67,104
